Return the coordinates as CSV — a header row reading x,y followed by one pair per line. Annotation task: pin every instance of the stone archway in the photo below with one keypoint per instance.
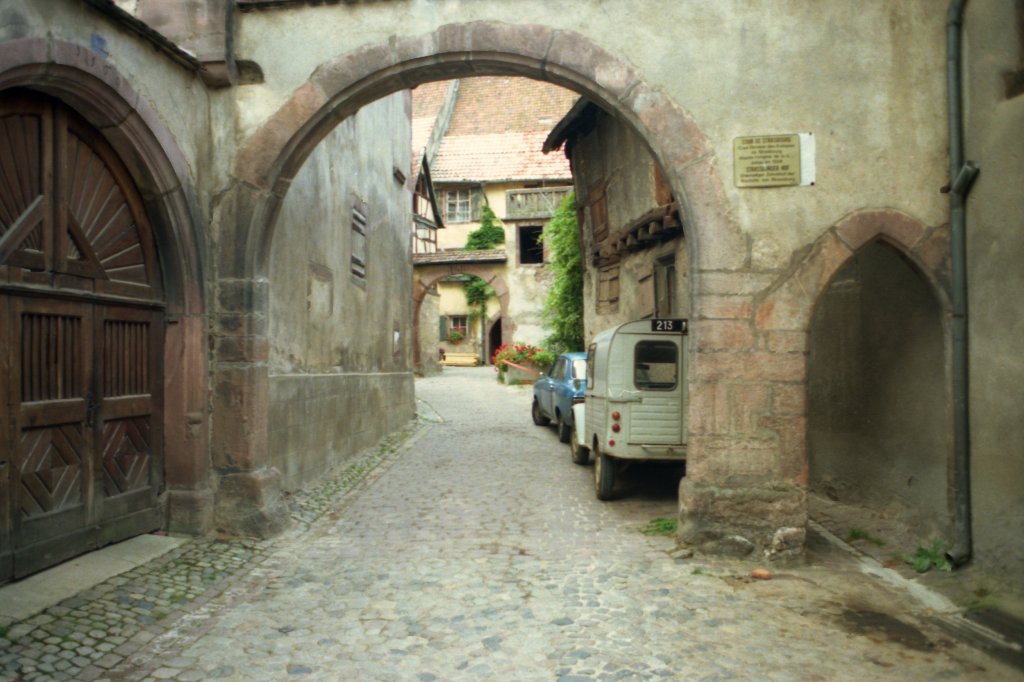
x,y
423,284
783,313
747,468
268,160
93,88
271,156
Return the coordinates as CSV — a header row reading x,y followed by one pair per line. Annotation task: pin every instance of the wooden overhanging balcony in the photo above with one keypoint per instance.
x,y
657,225
531,204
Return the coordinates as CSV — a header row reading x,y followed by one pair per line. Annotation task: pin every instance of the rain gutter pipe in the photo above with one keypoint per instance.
x,y
961,176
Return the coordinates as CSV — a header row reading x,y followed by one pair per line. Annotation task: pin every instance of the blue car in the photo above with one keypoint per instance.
x,y
555,392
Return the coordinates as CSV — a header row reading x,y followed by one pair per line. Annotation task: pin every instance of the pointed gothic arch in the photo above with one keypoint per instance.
x,y
783,312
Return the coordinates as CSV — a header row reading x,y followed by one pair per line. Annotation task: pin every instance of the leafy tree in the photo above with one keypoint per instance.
x,y
563,309
489,234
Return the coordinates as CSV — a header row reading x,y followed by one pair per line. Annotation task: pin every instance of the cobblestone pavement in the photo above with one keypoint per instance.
x,y
477,551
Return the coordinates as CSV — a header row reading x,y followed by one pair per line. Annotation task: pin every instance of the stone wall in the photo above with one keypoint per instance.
x,y
339,379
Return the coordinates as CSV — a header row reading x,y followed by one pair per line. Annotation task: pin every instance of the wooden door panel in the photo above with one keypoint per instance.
x,y
127,455
6,542
6,439
52,471
129,379
26,148
51,482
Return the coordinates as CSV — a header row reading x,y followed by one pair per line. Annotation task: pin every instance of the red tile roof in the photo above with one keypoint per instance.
x,y
497,129
497,157
508,104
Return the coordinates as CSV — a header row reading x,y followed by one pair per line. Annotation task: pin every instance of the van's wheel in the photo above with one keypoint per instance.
x,y
538,417
580,453
604,475
564,430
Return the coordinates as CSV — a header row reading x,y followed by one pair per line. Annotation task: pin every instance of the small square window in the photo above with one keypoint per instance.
x,y
458,324
531,244
461,205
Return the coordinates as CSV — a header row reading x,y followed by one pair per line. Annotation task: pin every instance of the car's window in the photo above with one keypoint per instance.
x,y
656,365
557,370
579,368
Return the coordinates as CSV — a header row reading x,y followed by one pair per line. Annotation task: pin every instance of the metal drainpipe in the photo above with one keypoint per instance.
x,y
961,177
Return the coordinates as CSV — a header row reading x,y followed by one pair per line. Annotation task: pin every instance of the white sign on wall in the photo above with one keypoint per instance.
x,y
773,160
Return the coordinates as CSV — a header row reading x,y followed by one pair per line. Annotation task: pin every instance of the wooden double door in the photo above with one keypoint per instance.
x,y
83,465
81,342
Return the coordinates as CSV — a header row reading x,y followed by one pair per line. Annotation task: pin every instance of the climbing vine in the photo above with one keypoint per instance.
x,y
489,234
477,293
563,309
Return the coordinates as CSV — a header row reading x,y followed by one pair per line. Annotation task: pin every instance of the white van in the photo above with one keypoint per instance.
x,y
635,406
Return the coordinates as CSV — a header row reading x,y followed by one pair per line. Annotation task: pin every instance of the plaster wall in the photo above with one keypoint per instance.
x,y
994,46
865,78
528,289
338,379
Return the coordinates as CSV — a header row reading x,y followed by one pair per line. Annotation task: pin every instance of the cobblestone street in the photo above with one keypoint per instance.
x,y
473,548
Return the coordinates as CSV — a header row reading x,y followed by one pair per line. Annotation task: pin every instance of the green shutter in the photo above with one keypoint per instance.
x,y
442,328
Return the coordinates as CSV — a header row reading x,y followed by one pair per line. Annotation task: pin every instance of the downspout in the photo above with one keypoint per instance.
x,y
961,176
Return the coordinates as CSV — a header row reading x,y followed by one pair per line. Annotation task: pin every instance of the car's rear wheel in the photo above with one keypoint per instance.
x,y
538,417
564,430
604,475
580,453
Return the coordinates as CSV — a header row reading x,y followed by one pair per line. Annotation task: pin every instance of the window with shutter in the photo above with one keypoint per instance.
x,y
359,250
608,290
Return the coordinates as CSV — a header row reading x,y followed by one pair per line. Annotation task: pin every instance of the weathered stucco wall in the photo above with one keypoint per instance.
x,y
995,252
338,381
612,156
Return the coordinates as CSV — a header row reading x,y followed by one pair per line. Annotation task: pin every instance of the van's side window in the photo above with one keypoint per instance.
x,y
656,365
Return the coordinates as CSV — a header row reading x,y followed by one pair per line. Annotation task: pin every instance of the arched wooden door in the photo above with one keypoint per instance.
x,y
81,342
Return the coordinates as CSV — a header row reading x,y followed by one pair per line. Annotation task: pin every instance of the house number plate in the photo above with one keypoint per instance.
x,y
658,325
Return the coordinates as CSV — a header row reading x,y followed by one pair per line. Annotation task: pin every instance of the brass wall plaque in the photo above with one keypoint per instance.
x,y
766,160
